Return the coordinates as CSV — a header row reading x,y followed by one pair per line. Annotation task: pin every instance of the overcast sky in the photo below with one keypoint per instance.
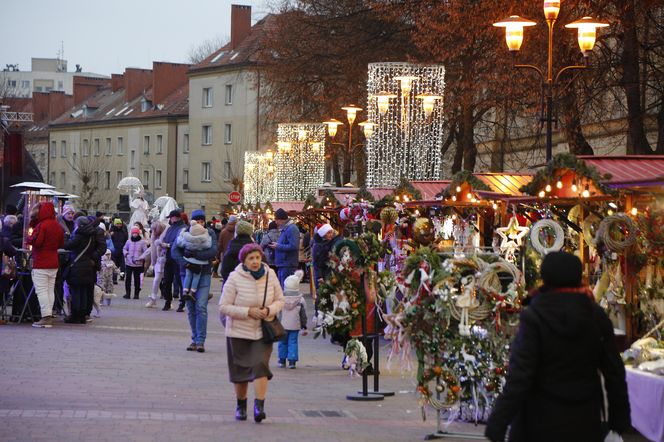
x,y
104,37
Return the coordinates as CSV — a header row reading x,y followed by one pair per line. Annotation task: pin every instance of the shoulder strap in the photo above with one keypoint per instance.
x,y
82,252
267,277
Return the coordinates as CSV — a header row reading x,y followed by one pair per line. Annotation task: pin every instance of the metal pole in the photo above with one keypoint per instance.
x,y
549,95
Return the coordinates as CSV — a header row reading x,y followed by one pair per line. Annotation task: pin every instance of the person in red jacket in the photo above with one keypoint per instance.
x,y
46,238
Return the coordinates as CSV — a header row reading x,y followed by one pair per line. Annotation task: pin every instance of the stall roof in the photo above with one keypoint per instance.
x,y
288,206
632,170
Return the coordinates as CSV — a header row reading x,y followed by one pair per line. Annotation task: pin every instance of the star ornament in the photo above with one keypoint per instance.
x,y
512,235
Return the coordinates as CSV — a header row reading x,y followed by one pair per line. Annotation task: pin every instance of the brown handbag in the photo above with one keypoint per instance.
x,y
273,331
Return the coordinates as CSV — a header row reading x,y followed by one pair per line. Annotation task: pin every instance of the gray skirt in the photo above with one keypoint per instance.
x,y
248,359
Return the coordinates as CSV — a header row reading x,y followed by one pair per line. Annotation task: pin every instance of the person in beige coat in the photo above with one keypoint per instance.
x,y
242,305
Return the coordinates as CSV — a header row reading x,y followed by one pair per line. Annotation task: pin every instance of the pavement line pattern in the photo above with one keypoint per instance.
x,y
148,329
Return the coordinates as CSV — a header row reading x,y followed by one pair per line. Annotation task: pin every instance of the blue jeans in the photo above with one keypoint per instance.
x,y
197,311
283,273
191,280
288,346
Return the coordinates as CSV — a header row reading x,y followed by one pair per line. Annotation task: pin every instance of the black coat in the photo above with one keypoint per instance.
x,y
83,271
321,255
231,255
119,237
553,390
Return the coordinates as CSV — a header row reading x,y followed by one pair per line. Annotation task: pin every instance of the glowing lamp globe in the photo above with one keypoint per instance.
x,y
514,31
587,28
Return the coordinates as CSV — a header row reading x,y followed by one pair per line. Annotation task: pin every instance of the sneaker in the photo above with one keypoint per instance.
x,y
180,308
88,319
344,363
192,347
46,322
282,364
151,303
291,365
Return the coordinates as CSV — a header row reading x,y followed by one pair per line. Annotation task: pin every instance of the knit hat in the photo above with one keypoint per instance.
x,y
175,212
292,283
244,228
117,222
232,219
82,221
197,229
324,230
67,208
561,269
249,248
280,214
135,231
198,214
9,220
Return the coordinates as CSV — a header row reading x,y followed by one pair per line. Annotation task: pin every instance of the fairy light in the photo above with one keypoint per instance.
x,y
559,184
259,178
586,192
469,195
574,187
458,189
300,170
454,198
495,206
541,194
404,142
634,211
548,188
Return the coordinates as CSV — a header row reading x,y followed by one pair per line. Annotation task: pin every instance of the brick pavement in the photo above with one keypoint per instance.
x,y
127,376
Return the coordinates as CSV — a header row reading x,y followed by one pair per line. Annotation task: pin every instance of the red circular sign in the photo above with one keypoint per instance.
x,y
234,197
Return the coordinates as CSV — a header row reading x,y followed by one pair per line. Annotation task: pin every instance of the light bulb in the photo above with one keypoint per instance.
x,y
551,9
541,194
586,193
574,187
559,184
609,212
454,198
548,188
495,206
634,211
458,189
469,195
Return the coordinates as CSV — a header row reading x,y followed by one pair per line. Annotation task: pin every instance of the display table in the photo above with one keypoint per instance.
x,y
646,400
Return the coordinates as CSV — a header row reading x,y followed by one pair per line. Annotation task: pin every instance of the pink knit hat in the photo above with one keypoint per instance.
x,y
247,249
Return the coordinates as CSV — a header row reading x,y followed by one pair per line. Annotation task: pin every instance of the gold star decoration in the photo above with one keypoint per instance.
x,y
512,238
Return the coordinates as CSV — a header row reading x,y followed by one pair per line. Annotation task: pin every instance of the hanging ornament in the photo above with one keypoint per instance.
x,y
512,238
423,233
558,236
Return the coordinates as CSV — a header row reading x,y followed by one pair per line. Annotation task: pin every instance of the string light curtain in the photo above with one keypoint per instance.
x,y
300,160
259,178
406,104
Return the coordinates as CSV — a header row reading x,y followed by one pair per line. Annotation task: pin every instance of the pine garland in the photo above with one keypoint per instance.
x,y
566,161
405,187
329,199
364,194
464,176
310,202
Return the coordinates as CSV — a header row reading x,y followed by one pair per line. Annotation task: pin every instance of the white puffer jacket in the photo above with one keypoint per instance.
x,y
242,291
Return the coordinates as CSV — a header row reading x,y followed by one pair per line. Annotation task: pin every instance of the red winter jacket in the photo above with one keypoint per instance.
x,y
47,237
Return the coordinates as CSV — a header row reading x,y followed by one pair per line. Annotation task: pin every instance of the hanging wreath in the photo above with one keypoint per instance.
x,y
558,237
612,226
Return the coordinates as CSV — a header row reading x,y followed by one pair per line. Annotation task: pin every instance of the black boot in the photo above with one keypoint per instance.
x,y
167,306
259,410
241,410
136,293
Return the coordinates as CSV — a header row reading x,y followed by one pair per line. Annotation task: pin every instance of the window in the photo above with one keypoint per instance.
x,y
228,96
63,180
120,146
107,207
207,97
12,83
157,179
54,148
85,151
51,180
63,148
25,84
109,148
185,143
185,179
95,178
146,145
132,162
96,147
146,179
228,133
207,135
118,176
73,158
60,85
206,171
160,147
107,180
227,171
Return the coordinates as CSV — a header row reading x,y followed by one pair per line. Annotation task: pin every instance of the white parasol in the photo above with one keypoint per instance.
x,y
47,192
162,207
130,184
33,185
163,200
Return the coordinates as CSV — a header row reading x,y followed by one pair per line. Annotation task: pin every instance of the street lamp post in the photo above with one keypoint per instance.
x,y
332,128
587,30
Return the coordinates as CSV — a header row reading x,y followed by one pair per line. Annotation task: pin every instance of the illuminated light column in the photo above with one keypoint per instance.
x,y
259,178
406,106
299,169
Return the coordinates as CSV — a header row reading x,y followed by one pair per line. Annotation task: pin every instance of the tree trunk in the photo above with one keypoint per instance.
x,y
361,167
578,145
468,138
660,128
500,139
347,164
335,169
637,142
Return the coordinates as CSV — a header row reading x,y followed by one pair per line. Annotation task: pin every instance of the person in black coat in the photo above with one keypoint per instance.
x,y
553,390
325,240
243,231
119,237
81,275
6,248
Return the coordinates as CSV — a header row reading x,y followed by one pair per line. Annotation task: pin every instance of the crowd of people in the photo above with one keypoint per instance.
x,y
562,354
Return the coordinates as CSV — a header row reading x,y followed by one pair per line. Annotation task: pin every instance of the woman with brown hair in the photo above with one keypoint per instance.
x,y
251,293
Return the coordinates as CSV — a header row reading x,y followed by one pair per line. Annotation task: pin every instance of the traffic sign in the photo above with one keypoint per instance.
x,y
235,197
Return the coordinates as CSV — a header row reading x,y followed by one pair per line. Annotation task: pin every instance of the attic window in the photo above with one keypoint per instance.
x,y
129,111
110,112
89,110
235,55
121,110
218,56
145,105
77,114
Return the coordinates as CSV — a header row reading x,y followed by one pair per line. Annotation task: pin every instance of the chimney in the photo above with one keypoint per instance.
x,y
166,78
84,87
117,82
56,104
136,81
40,105
240,24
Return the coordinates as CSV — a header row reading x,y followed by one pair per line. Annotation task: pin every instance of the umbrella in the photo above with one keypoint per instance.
x,y
33,185
129,184
163,200
47,192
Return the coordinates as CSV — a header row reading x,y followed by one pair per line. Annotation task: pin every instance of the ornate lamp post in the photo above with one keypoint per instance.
x,y
587,28
332,129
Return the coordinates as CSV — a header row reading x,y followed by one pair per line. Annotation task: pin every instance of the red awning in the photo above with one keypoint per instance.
x,y
629,169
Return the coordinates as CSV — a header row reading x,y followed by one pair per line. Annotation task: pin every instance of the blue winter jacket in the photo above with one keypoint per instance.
x,y
171,235
287,253
178,254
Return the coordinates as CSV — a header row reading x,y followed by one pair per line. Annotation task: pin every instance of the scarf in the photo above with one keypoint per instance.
x,y
257,274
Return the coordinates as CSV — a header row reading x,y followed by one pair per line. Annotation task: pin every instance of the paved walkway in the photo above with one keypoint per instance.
x,y
126,376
